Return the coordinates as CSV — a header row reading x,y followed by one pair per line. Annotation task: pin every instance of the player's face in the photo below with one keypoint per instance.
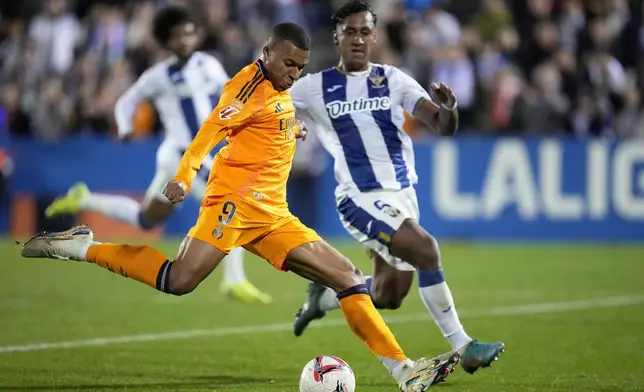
x,y
285,63
183,40
355,37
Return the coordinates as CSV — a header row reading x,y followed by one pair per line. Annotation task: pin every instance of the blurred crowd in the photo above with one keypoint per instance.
x,y
549,67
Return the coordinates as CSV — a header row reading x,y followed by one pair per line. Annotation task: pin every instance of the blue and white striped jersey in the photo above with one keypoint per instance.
x,y
359,119
183,96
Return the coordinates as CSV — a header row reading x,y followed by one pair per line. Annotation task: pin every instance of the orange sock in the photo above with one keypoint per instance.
x,y
365,321
142,263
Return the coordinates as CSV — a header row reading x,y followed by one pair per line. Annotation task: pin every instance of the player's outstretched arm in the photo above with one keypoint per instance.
x,y
126,105
442,116
236,106
210,134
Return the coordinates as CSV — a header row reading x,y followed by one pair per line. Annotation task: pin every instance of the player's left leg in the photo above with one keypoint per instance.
x,y
155,209
415,245
151,213
195,260
292,246
386,222
200,253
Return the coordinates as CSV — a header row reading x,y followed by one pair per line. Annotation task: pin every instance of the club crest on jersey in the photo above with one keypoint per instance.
x,y
218,233
377,81
392,211
227,112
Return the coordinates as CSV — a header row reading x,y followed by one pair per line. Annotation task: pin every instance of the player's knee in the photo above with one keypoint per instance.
x,y
385,299
348,280
181,283
390,303
427,253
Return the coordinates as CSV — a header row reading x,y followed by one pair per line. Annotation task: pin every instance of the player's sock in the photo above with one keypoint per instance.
x,y
142,263
329,299
396,367
121,208
439,302
234,267
367,324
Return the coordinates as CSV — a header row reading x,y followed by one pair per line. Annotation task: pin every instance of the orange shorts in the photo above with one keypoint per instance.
x,y
230,221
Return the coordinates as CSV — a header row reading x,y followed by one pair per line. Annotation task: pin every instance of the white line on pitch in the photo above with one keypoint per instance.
x,y
526,309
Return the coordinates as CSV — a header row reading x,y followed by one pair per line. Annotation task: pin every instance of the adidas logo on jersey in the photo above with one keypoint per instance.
x,y
341,108
278,108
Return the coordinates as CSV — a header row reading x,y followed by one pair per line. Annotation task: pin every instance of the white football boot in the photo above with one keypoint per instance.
x,y
65,245
427,372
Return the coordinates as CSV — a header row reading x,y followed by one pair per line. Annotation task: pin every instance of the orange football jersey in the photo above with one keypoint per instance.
x,y
259,124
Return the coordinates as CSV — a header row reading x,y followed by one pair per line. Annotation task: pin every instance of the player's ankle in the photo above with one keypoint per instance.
x,y
398,369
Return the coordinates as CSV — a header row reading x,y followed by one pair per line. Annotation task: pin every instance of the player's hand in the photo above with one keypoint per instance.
x,y
303,129
175,191
444,95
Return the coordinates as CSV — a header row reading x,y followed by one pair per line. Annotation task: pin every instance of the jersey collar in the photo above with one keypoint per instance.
x,y
174,59
261,66
366,72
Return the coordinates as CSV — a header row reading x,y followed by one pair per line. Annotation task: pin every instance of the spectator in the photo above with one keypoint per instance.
x,y
15,118
544,107
565,66
52,114
56,33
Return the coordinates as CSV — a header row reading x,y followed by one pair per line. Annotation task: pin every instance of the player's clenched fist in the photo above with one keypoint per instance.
x,y
175,191
302,129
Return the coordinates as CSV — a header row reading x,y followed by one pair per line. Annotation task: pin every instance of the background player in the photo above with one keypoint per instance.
x,y
358,110
245,205
184,89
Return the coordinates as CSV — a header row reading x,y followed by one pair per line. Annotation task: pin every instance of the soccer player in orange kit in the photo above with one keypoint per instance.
x,y
245,205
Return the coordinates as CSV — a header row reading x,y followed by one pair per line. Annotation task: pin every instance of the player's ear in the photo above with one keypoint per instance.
x,y
336,42
266,51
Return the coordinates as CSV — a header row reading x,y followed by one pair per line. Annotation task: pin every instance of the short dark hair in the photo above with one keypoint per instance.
x,y
352,7
290,32
165,20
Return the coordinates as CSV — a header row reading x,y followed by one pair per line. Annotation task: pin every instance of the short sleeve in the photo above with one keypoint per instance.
x,y
300,93
147,84
412,91
241,99
216,70
145,88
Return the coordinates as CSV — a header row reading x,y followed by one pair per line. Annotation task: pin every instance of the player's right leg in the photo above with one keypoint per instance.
x,y
387,286
387,223
319,262
292,246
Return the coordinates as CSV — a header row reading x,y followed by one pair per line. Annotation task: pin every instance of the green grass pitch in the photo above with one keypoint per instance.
x,y
572,318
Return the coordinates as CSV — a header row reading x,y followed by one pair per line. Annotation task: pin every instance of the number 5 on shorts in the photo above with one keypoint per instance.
x,y
227,213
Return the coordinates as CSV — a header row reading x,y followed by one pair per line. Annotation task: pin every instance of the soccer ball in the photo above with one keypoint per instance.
x,y
327,374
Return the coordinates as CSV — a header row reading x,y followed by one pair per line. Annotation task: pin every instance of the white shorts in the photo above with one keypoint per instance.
x,y
168,157
374,217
